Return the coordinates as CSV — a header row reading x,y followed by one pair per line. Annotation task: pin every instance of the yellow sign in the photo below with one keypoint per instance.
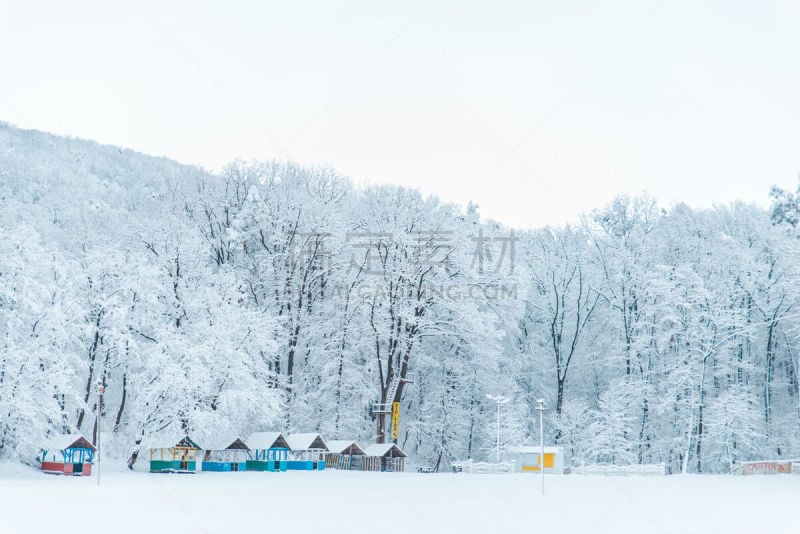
x,y
395,420
549,462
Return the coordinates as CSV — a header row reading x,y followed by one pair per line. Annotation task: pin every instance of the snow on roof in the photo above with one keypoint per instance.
x,y
68,441
340,446
160,442
227,443
305,442
267,440
384,449
188,442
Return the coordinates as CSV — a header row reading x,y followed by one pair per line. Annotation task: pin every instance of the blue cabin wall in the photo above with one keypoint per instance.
x,y
313,460
272,460
306,465
225,460
224,466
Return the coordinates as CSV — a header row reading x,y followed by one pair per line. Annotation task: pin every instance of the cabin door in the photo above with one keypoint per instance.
x,y
184,460
77,469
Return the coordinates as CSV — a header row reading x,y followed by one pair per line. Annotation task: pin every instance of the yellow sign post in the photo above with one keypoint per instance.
x,y
395,420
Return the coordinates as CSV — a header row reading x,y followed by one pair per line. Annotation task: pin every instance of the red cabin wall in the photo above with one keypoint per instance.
x,y
53,467
59,468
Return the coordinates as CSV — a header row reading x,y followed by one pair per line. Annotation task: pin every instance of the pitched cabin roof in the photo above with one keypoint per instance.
x,y
161,443
68,441
186,441
343,446
227,444
305,442
267,440
387,450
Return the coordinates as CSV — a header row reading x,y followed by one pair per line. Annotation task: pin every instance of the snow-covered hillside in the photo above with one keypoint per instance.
x,y
274,296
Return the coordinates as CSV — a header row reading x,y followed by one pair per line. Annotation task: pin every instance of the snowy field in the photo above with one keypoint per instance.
x,y
409,503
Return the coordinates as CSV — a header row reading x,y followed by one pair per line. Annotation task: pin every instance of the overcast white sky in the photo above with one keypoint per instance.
x,y
535,110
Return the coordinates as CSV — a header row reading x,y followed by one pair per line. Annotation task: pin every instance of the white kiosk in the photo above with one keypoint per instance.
x,y
526,459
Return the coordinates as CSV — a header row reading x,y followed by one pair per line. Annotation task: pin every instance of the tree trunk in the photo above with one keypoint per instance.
x,y
768,368
92,356
121,409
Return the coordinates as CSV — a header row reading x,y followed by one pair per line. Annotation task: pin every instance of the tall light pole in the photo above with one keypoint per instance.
x,y
101,389
499,399
540,408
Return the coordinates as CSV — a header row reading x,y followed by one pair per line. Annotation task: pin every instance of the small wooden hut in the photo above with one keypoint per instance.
x,y
70,454
178,458
345,455
230,457
384,457
308,452
269,451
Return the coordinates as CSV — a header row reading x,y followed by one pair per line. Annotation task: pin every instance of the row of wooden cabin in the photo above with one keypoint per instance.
x,y
272,451
263,451
349,456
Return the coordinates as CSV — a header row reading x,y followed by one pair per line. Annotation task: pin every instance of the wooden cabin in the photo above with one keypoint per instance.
x,y
269,451
70,454
308,452
231,457
384,457
345,455
178,458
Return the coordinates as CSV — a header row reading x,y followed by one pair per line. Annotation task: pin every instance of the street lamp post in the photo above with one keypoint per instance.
x,y
540,408
499,399
101,389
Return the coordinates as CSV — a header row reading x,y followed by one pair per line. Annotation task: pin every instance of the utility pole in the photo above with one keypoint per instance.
x,y
540,408
101,389
499,399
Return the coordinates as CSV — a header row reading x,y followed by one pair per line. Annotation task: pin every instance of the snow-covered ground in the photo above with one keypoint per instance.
x,y
409,503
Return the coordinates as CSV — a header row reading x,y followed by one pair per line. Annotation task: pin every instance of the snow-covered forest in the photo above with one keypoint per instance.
x,y
273,296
